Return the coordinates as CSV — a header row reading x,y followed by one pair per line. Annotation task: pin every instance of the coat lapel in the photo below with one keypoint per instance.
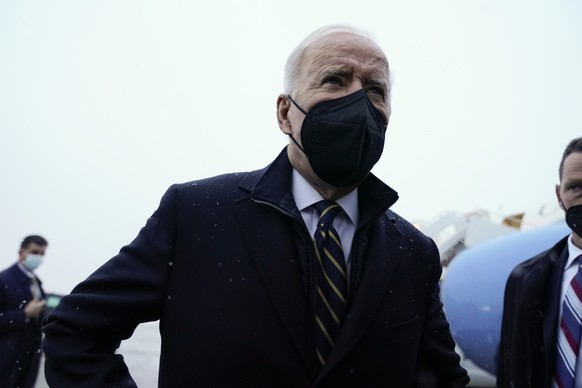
x,y
269,237
23,281
556,262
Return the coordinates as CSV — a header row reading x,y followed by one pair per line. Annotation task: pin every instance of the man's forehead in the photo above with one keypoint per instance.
x,y
336,44
573,166
573,161
341,53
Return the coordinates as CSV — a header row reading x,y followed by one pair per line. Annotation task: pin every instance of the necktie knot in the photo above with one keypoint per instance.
x,y
327,210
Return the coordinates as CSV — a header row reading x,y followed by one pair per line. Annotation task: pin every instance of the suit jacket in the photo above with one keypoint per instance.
x,y
223,263
527,351
20,338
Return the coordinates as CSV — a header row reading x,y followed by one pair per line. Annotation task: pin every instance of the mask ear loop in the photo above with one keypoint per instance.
x,y
290,135
298,107
297,144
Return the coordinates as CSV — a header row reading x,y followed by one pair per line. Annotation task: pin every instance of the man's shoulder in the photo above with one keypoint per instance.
x,y
543,261
8,270
407,228
9,274
218,184
231,178
397,219
236,183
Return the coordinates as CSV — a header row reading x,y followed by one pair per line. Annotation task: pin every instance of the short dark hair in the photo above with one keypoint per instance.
x,y
574,146
33,239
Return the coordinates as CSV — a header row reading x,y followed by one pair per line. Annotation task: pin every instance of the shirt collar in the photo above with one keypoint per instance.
x,y
573,253
25,271
305,195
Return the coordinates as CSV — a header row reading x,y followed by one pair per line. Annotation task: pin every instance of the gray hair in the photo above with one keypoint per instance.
x,y
293,64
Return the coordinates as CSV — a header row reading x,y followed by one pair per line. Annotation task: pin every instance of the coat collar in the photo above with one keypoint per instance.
x,y
272,185
19,274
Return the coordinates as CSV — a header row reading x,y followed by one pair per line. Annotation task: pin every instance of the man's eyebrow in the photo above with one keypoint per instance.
x,y
574,181
376,82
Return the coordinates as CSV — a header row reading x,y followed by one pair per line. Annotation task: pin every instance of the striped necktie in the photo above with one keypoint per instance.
x,y
331,280
569,332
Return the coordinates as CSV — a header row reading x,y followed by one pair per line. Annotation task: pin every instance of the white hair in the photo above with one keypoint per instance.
x,y
293,64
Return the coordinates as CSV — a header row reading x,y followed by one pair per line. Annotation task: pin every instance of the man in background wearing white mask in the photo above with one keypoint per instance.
x,y
21,307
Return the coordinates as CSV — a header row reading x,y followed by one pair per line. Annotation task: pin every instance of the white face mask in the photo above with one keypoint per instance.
x,y
32,262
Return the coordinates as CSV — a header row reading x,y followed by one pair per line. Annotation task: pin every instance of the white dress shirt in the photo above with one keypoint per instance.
x,y
34,286
570,271
345,222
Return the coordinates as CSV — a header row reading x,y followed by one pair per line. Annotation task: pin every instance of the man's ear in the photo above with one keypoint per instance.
x,y
560,198
283,106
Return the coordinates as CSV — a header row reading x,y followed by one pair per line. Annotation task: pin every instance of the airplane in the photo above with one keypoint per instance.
x,y
478,256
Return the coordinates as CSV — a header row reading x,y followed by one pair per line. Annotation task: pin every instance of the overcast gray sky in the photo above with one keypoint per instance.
x,y
104,104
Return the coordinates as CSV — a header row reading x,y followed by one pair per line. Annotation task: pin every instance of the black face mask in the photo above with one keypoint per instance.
x,y
574,219
343,138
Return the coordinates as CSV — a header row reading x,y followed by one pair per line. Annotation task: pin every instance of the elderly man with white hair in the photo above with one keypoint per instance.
x,y
295,275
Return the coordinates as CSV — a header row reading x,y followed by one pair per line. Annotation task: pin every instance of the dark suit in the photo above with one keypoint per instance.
x,y
530,320
225,264
20,338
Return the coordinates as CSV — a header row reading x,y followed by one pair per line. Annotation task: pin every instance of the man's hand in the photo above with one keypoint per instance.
x,y
34,308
